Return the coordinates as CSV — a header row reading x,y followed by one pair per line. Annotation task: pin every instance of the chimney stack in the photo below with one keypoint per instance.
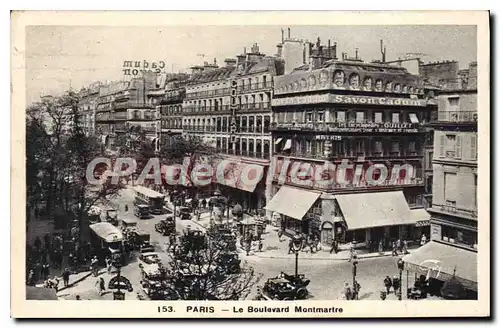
x,y
289,33
279,48
282,35
382,50
335,50
329,49
356,54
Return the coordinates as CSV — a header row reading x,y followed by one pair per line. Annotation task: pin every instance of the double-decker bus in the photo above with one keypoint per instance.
x,y
151,198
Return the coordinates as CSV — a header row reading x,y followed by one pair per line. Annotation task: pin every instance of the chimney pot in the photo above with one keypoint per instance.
x,y
289,33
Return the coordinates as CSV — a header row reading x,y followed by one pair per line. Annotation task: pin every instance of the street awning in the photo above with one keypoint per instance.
x,y
278,141
104,139
380,209
292,202
442,262
288,144
239,175
413,118
421,217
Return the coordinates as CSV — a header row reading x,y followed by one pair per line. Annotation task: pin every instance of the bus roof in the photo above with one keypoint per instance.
x,y
107,231
148,192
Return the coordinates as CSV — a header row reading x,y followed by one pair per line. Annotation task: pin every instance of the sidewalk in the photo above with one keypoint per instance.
x,y
274,249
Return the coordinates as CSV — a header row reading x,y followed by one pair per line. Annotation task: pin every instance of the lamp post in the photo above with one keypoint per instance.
x,y
401,266
297,246
354,273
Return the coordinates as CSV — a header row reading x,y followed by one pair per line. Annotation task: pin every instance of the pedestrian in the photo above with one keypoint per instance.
x,y
388,284
334,246
405,247
290,246
101,286
261,245
204,203
38,243
94,266
45,270
46,241
399,245
31,278
109,265
347,292
78,298
380,246
65,276
126,207
352,253
394,249
280,235
423,239
356,289
248,247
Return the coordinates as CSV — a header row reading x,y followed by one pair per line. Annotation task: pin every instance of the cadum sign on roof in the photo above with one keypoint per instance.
x,y
348,99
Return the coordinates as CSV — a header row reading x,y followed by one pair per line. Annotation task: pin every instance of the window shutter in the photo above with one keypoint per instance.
x,y
441,146
473,147
458,147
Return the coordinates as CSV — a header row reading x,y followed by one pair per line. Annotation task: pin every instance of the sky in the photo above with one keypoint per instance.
x,y
58,57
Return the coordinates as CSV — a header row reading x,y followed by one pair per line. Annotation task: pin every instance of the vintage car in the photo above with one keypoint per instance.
x,y
223,238
128,223
166,226
146,247
230,262
193,239
184,213
152,281
286,288
149,258
112,216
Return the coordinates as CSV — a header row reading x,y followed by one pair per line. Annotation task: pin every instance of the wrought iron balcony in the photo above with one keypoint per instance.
x,y
454,117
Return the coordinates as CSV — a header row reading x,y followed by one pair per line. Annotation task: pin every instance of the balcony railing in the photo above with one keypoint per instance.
x,y
221,108
127,105
453,209
255,87
454,117
351,154
208,93
349,126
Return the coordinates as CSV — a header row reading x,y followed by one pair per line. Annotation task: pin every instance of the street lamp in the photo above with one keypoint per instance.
x,y
354,273
297,246
401,266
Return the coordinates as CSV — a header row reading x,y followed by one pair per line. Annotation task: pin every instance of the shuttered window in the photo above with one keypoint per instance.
x,y
473,147
458,147
442,143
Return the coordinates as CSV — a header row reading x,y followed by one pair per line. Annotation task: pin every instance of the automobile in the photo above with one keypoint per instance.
x,y
142,211
112,216
185,213
166,226
152,281
230,262
149,258
146,247
286,288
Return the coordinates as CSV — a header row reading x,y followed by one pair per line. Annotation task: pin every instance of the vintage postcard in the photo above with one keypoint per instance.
x,y
269,164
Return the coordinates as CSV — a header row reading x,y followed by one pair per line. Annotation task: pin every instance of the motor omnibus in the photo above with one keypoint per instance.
x,y
107,240
146,196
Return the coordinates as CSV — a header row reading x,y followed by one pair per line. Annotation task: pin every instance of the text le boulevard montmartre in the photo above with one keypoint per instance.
x,y
287,309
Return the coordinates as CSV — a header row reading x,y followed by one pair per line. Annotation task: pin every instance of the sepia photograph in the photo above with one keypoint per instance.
x,y
282,164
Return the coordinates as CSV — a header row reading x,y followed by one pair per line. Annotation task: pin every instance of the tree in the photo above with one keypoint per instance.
x,y
206,269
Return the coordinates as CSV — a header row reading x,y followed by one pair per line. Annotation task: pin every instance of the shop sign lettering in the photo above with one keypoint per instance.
x,y
137,67
348,99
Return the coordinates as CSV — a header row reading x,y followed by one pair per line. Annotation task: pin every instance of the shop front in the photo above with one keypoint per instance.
x,y
373,219
299,210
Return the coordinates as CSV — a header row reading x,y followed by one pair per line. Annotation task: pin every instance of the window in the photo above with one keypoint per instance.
x,y
308,146
309,117
320,147
321,117
264,82
473,147
413,118
378,117
412,147
459,236
360,117
450,188
395,117
378,148
453,103
429,158
395,148
360,147
341,117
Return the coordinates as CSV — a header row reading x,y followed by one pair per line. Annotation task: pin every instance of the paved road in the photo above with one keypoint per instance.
x,y
327,276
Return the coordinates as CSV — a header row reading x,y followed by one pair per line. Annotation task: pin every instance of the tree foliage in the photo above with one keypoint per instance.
x,y
58,152
205,271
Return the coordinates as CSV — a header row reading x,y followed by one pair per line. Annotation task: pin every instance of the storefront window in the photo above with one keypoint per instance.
x,y
458,236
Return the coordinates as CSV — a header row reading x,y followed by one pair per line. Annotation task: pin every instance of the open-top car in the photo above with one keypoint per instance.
x,y
184,213
166,226
286,287
149,258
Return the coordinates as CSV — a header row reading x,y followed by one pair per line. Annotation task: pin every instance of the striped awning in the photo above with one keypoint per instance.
x,y
423,223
